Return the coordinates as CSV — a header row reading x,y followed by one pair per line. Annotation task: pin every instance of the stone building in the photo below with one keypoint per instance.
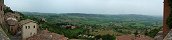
x,y
28,28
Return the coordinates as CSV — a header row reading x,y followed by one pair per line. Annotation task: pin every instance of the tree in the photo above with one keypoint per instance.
x,y
105,37
7,9
152,33
108,37
98,37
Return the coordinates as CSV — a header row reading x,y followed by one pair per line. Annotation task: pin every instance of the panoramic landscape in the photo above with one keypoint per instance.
x,y
97,24
81,20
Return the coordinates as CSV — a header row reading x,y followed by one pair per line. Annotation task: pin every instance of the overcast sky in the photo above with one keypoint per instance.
x,y
144,7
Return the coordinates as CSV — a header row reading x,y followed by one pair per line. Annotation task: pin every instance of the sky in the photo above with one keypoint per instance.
x,y
144,7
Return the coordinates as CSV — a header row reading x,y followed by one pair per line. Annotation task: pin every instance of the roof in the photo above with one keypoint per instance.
x,y
12,22
25,21
46,35
12,19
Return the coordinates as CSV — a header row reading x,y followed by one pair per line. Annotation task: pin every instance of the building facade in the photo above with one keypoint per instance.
x,y
29,28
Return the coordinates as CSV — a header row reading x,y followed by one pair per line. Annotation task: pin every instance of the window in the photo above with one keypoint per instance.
x,y
1,8
11,29
34,26
26,27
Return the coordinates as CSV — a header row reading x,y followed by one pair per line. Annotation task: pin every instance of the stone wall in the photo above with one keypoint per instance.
x,y
1,11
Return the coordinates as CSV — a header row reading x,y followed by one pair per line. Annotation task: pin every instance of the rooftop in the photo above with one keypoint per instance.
x,y
26,21
46,35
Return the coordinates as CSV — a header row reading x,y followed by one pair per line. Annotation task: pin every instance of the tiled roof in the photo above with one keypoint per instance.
x,y
25,21
46,35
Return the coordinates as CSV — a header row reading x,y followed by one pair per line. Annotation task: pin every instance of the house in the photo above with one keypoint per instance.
x,y
46,35
29,28
43,20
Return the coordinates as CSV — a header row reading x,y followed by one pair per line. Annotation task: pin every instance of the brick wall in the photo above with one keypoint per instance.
x,y
166,14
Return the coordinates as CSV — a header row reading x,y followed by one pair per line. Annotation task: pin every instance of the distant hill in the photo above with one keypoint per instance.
x,y
117,24
97,17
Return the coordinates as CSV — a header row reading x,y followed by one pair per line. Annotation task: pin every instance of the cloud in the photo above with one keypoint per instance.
x,y
146,7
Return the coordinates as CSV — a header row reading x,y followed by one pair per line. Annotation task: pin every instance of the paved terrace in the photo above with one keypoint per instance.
x,y
3,35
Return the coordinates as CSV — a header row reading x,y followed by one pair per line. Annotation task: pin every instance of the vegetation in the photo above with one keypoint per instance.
x,y
96,24
153,32
106,37
7,9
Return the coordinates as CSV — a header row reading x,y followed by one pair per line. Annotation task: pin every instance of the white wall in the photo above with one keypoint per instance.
x,y
29,31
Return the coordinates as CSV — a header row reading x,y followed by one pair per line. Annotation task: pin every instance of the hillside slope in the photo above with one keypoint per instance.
x,y
96,24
